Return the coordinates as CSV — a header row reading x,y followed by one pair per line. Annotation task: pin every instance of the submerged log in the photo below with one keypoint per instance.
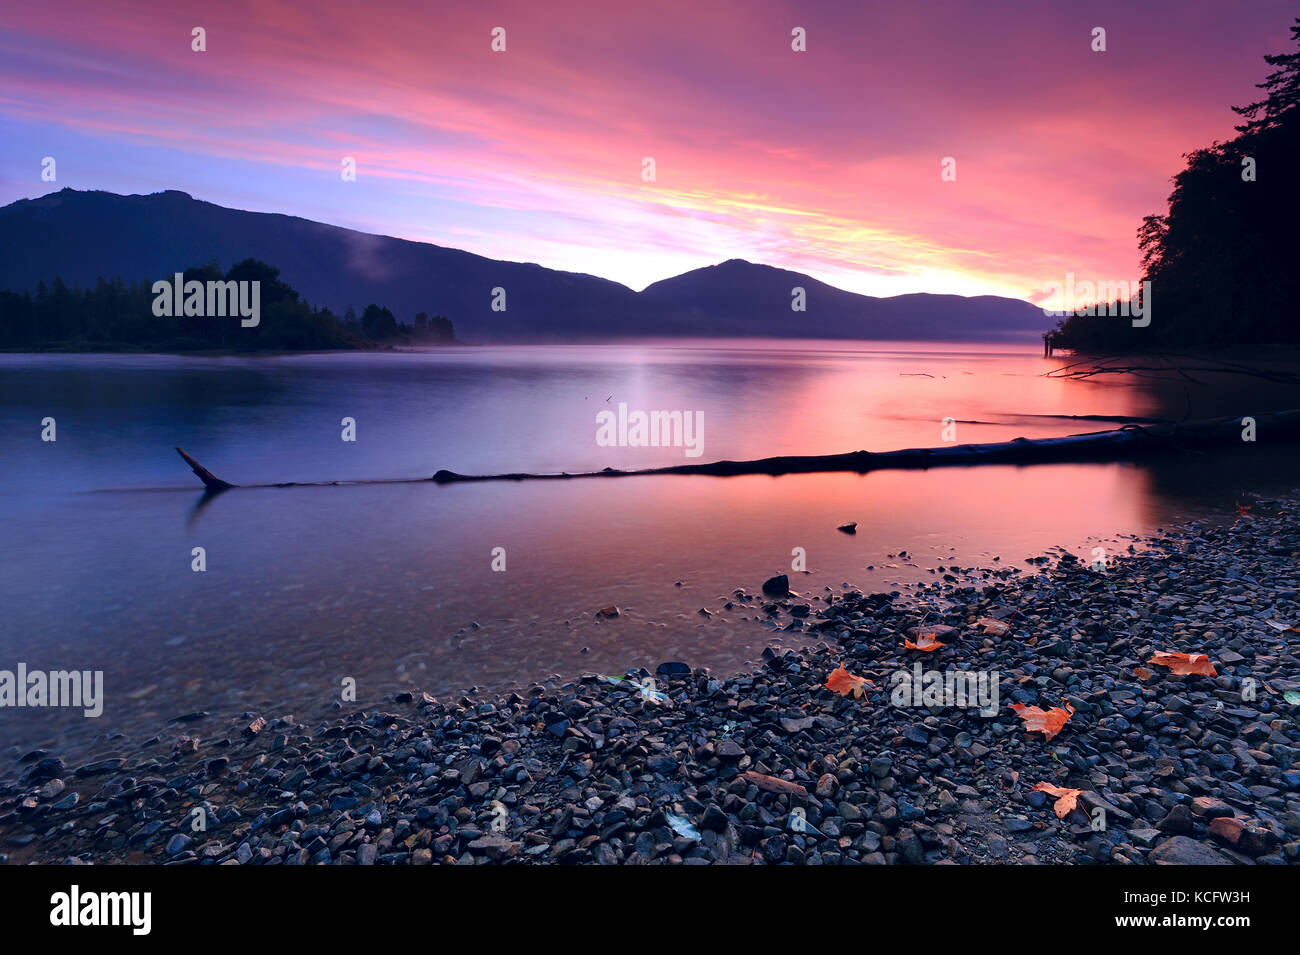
x,y
210,480
1130,441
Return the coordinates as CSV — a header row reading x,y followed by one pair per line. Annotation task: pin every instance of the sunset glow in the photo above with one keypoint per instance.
x,y
826,162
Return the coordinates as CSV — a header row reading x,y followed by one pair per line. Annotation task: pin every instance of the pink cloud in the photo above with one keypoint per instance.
x,y
825,161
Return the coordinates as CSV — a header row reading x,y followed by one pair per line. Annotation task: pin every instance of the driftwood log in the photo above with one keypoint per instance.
x,y
1130,441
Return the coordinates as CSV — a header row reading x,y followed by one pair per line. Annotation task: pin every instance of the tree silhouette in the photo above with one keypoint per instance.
x,y
114,315
1221,261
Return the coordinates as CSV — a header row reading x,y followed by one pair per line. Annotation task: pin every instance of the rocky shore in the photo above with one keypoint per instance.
x,y
771,766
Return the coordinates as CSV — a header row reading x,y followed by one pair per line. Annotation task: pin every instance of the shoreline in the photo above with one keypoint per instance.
x,y
1280,351
1181,768
372,348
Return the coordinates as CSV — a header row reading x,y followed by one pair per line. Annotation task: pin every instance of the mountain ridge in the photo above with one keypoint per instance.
x,y
83,235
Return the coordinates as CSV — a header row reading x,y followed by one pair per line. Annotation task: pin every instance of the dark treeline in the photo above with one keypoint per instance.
x,y
1222,260
119,315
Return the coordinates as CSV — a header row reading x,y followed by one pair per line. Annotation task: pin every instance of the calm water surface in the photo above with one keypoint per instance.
x,y
392,584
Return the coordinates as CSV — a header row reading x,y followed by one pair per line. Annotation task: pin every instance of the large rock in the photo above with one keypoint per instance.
x,y
673,668
1208,807
495,845
936,630
778,586
1238,834
1177,820
1180,850
730,750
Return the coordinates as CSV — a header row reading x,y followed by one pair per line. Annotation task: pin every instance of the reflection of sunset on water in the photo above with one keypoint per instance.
x,y
394,582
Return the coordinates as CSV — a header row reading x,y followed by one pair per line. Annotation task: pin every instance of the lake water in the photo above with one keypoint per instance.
x,y
393,586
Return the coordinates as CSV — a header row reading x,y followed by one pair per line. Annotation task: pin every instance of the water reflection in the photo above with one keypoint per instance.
x,y
392,584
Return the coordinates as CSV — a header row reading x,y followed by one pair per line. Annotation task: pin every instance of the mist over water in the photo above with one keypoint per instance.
x,y
392,584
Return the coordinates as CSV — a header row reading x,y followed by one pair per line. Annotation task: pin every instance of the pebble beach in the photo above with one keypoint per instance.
x,y
680,765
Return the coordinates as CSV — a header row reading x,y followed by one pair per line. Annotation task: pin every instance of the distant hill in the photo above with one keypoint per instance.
x,y
82,236
737,295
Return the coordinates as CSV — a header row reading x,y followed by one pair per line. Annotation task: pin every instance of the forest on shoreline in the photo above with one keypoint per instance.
x,y
1221,261
121,316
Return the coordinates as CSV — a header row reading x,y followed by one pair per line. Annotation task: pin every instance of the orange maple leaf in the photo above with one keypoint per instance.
x,y
1184,663
1066,801
843,682
1047,722
924,641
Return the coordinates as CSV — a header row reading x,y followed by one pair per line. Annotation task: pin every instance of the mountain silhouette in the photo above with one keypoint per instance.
x,y
82,236
737,295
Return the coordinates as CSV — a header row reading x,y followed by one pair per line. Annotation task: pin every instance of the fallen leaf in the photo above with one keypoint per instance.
x,y
1067,798
1142,673
843,682
925,641
1047,722
682,827
1184,663
994,628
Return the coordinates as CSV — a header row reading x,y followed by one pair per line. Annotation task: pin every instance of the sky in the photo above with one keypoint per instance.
x,y
827,161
